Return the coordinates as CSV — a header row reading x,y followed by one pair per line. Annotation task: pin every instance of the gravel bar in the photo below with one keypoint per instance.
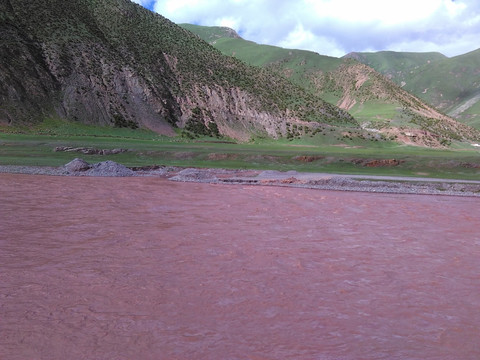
x,y
376,184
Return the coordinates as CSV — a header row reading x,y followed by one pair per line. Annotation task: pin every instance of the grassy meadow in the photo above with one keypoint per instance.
x,y
331,151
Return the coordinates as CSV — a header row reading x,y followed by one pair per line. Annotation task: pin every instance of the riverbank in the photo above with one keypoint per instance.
x,y
323,181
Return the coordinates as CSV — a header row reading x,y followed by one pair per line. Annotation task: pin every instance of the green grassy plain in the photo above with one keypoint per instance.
x,y
329,152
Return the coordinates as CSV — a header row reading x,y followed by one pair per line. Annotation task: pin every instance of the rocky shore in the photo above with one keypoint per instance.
x,y
377,184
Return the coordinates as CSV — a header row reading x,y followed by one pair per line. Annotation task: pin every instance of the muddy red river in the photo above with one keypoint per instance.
x,y
145,268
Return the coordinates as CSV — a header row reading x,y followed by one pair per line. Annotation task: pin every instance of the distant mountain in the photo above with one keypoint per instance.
x,y
114,63
396,65
450,84
376,101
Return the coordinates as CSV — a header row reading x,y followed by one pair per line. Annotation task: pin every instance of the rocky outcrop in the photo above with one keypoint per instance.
x,y
77,81
307,158
28,89
378,163
236,113
89,150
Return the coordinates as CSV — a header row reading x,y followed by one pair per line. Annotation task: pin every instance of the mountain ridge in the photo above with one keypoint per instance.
x,y
372,98
115,63
451,83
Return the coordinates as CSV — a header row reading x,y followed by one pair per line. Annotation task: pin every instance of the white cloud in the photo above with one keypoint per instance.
x,y
336,27
366,12
230,22
300,38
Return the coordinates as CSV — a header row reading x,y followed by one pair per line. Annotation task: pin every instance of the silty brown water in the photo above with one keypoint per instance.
x,y
144,268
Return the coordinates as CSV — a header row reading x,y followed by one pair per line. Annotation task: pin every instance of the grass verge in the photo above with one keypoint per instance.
x,y
36,147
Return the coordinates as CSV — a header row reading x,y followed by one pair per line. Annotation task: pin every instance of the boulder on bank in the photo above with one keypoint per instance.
x,y
77,165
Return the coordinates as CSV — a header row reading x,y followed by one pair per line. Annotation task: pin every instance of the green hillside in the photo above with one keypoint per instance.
x,y
450,84
211,33
300,61
396,65
115,63
375,101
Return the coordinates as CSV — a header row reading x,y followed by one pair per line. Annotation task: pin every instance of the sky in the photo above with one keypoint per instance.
x,y
338,27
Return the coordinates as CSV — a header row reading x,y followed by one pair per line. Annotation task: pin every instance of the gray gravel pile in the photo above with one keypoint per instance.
x,y
109,168
275,174
345,183
76,167
341,183
195,175
79,167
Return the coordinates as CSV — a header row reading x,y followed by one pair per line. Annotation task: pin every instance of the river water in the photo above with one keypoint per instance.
x,y
145,268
